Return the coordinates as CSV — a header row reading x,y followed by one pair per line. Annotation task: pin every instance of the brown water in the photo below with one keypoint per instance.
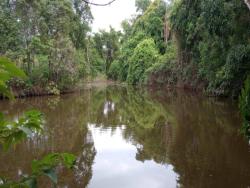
x,y
131,138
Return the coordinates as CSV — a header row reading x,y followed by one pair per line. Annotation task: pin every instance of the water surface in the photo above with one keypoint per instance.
x,y
135,138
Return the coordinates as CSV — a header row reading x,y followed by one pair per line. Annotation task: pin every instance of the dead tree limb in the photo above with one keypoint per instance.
x,y
99,4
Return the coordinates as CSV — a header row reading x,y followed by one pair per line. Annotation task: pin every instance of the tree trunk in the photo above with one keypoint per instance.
x,y
28,63
87,54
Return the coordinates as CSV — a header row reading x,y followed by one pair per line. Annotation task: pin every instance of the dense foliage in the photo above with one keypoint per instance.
x,y
145,54
196,44
48,40
142,42
8,70
244,104
107,45
208,46
213,39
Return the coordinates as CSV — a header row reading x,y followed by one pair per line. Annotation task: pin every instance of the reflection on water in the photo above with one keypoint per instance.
x,y
116,159
125,137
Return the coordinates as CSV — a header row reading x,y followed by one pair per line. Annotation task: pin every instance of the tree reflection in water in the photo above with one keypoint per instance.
x,y
197,136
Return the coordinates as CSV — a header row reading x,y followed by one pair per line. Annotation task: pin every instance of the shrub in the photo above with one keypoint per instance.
x,y
244,105
114,70
144,56
165,70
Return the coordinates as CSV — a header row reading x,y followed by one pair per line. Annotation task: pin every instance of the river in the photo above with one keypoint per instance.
x,y
135,138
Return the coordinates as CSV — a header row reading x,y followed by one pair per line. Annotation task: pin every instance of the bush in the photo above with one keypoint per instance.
x,y
244,105
144,56
127,50
214,35
165,70
114,70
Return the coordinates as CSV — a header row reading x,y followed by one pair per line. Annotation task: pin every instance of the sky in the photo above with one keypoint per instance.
x,y
112,14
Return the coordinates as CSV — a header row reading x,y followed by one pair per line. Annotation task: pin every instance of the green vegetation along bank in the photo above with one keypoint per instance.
x,y
196,44
49,41
201,45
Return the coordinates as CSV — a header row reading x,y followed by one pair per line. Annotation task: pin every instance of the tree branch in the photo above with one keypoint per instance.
x,y
98,4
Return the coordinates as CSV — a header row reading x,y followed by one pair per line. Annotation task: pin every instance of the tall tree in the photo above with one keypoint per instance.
x,y
45,37
142,5
107,44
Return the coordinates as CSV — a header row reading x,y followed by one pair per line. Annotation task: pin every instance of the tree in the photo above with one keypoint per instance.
x,y
10,38
81,23
144,56
135,30
152,23
142,5
44,38
244,105
107,45
210,34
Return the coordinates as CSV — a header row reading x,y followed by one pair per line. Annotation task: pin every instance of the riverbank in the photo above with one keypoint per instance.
x,y
36,91
101,82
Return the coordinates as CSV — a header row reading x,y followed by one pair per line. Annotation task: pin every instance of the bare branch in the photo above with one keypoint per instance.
x,y
97,4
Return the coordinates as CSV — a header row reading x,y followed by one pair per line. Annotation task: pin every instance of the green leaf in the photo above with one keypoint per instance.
x,y
68,159
31,122
5,91
51,173
1,117
48,162
44,167
31,182
2,181
8,70
7,143
4,76
26,130
11,68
